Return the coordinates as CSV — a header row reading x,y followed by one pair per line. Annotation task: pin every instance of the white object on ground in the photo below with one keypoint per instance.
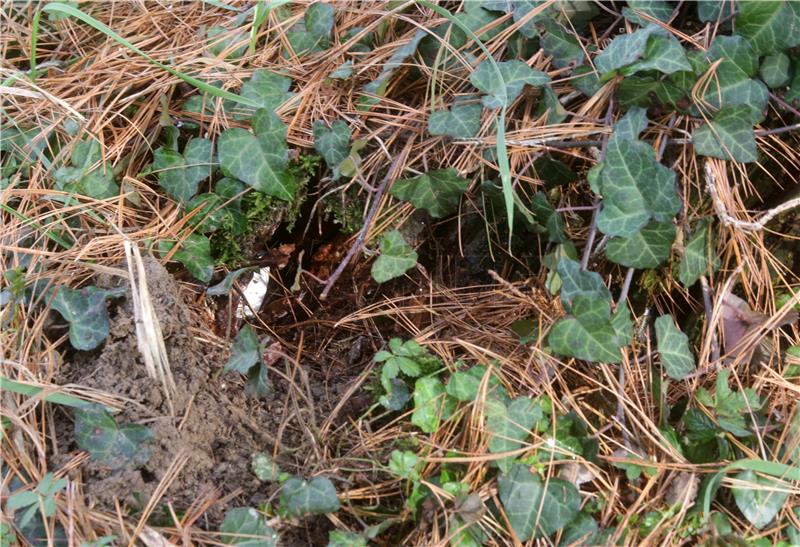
x,y
254,294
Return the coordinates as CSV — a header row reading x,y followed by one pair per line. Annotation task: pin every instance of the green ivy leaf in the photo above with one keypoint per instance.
x,y
534,508
396,258
561,44
83,177
731,83
352,162
269,89
658,9
180,174
502,91
583,530
696,256
344,538
714,10
577,282
343,71
432,405
776,70
625,50
246,527
315,497
761,499
631,125
673,347
729,136
194,254
313,34
85,310
460,122
767,25
438,192
319,18
333,144
246,351
260,160
510,425
208,212
647,248
589,334
221,39
265,468
405,464
664,54
463,385
117,446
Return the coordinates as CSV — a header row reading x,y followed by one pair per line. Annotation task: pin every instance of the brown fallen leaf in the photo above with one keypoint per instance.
x,y
739,325
683,489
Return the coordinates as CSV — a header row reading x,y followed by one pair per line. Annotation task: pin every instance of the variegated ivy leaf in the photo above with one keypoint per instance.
x,y
396,258
729,136
588,333
770,26
759,498
697,256
343,71
221,39
180,174
647,248
560,43
432,404
735,50
260,160
550,105
333,144
269,89
626,49
315,497
673,347
313,34
85,310
194,254
510,425
459,122
658,9
664,54
98,433
577,282
776,70
88,175
246,527
714,10
438,192
502,89
730,84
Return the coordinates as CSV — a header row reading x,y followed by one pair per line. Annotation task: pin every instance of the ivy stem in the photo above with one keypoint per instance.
x,y
626,285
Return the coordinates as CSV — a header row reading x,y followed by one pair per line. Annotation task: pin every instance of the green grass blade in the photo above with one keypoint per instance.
x,y
30,222
64,9
34,43
33,391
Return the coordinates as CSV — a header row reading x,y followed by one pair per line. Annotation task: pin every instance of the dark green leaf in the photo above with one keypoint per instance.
x,y
760,498
180,174
577,282
88,175
767,25
775,70
221,39
117,446
396,258
266,88
697,256
501,91
333,144
589,335
246,527
224,287
194,254
319,19
583,530
258,384
438,192
626,49
510,425
300,497
85,310
673,347
729,136
631,125
460,122
647,248
246,351
714,10
664,54
658,9
560,43
208,212
432,405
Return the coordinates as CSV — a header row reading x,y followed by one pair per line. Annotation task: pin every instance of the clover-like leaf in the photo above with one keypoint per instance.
x,y
245,352
432,405
396,258
246,527
88,175
460,121
510,425
759,498
98,433
85,310
179,174
729,136
502,89
260,160
333,144
697,256
626,49
561,44
776,70
577,282
647,248
300,497
589,334
767,25
194,254
535,508
673,347
438,192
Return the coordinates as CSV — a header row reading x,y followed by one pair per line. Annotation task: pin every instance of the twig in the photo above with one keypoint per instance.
x,y
727,219
362,234
709,308
626,285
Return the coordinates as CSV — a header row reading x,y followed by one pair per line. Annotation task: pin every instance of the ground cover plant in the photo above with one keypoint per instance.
x,y
461,273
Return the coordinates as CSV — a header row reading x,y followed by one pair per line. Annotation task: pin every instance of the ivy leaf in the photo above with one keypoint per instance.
x,y
194,254
85,310
533,508
432,405
562,45
208,212
767,25
460,122
583,530
438,192
343,71
264,467
631,125
83,177
269,89
673,347
647,248
333,144
180,174
246,527
313,34
221,39
319,18
626,49
577,282
260,160
695,261
404,464
729,136
589,334
734,50
775,70
352,162
344,538
117,446
224,287
315,497
761,500
396,258
546,215
501,91
731,83
509,426
245,353
464,384
664,54
658,9
714,10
